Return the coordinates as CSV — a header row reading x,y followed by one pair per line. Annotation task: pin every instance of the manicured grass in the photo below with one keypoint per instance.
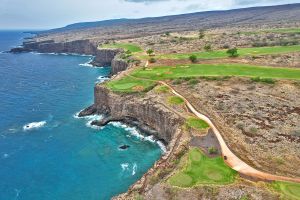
x,y
197,70
241,51
289,190
131,47
176,100
200,169
130,85
162,89
197,123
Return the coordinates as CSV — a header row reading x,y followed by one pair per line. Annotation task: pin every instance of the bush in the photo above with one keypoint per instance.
x,y
212,150
263,80
207,47
152,60
150,52
193,58
201,34
193,82
233,52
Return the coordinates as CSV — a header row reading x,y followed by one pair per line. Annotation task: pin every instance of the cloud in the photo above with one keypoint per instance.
x,y
56,13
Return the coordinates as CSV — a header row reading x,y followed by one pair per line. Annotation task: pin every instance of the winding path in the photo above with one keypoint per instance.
x,y
229,157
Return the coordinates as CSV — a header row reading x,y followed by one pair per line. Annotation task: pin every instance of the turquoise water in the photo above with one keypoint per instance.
x,y
46,152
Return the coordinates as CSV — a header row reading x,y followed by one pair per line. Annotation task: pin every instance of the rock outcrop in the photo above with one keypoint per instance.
x,y
146,113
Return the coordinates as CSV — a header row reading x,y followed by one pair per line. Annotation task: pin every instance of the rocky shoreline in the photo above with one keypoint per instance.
x,y
146,113
102,57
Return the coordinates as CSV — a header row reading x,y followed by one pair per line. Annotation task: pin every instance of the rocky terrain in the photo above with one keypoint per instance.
x,y
254,117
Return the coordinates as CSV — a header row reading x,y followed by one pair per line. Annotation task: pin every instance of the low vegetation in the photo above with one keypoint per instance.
x,y
127,47
196,123
200,169
288,190
175,100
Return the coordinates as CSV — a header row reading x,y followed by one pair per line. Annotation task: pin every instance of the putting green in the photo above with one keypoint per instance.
x,y
200,169
196,123
130,84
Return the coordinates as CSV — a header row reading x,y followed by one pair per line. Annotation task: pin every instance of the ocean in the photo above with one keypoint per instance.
x,y
46,151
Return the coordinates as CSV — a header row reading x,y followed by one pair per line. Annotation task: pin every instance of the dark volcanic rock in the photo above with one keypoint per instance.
x,y
88,111
19,50
123,147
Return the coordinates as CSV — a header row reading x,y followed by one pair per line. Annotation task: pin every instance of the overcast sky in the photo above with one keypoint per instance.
x,y
45,14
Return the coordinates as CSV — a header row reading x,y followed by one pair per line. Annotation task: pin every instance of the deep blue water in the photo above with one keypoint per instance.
x,y
62,157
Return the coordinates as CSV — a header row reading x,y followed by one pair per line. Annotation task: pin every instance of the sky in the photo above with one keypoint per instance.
x,y
46,14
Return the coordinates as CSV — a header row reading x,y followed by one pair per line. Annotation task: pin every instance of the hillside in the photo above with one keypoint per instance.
x,y
205,20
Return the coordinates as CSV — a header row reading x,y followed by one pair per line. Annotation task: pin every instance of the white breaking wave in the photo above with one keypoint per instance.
x,y
134,168
133,131
101,79
34,125
124,166
90,119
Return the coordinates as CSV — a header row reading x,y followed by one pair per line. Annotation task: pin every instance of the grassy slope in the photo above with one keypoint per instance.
x,y
242,52
131,47
176,100
161,73
197,123
289,190
200,169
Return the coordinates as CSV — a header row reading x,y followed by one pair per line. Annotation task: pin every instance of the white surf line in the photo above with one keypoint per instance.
x,y
229,157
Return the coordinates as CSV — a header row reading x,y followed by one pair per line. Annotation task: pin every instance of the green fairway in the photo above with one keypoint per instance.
x,y
284,30
197,123
289,190
241,51
200,169
131,47
197,70
130,84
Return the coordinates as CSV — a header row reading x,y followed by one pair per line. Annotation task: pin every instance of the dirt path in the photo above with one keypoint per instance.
x,y
229,157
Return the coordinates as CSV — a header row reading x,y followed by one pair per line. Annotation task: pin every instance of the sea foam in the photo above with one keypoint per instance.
x,y
34,125
133,131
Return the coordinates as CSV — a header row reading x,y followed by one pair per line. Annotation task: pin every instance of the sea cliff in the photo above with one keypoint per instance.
x,y
102,57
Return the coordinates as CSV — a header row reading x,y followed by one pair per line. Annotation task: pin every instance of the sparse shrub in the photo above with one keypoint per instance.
x,y
207,47
212,150
193,58
152,60
150,52
193,82
263,80
253,130
128,52
176,81
201,34
233,52
226,46
240,125
167,33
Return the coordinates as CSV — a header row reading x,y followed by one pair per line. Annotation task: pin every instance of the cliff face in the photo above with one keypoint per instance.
x,y
118,65
147,111
103,57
